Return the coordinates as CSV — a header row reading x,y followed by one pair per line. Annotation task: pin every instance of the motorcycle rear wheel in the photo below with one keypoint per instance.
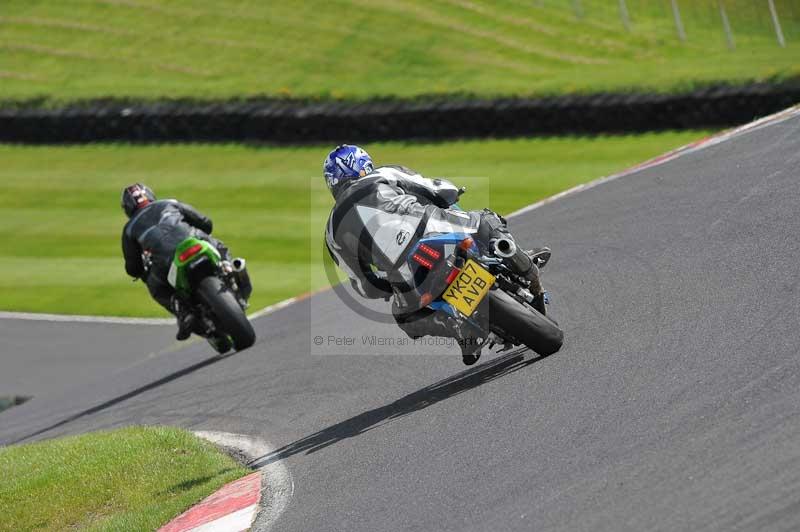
x,y
523,323
220,344
228,314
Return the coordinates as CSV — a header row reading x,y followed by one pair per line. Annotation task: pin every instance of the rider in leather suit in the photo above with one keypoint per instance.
x,y
380,212
149,238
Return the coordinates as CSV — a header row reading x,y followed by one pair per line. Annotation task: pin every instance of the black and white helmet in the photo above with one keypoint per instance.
x,y
135,197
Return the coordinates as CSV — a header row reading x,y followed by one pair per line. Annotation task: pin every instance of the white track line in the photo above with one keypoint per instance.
x,y
30,316
277,486
657,161
275,307
74,318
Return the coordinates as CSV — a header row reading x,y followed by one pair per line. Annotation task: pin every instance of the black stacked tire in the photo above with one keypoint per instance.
x,y
536,331
228,315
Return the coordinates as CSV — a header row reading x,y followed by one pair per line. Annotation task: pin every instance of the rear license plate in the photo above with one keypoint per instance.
x,y
470,287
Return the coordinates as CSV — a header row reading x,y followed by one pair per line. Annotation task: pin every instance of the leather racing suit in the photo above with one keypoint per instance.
x,y
375,221
149,240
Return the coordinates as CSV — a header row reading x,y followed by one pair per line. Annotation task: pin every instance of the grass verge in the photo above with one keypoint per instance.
x,y
339,48
61,221
134,478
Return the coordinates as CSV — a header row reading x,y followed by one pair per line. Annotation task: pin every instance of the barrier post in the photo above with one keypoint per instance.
x,y
676,14
776,23
623,14
726,25
576,5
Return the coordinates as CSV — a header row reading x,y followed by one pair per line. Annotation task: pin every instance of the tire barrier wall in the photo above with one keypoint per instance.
x,y
292,121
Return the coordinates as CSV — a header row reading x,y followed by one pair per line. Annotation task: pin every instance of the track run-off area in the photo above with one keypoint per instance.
x,y
674,403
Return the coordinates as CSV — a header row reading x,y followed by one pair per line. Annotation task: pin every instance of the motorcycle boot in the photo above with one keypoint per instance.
x,y
426,322
539,258
526,264
470,350
186,319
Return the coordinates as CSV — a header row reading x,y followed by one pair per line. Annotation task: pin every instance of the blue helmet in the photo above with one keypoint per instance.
x,y
344,163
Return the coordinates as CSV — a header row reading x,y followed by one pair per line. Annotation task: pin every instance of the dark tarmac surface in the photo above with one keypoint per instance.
x,y
674,404
42,358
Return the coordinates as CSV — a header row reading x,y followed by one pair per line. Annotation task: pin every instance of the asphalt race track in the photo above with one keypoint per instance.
x,y
674,404
40,358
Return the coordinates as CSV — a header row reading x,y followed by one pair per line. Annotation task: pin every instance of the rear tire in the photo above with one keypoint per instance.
x,y
220,344
228,315
525,324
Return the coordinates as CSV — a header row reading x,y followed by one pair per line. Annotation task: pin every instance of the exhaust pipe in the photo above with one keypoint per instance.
x,y
242,277
506,249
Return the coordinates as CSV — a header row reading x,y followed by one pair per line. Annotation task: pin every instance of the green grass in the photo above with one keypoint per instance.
x,y
130,479
60,218
359,48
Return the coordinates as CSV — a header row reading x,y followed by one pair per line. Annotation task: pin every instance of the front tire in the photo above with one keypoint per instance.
x,y
228,315
524,324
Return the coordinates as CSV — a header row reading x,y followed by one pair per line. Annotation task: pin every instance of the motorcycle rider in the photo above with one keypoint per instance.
x,y
380,211
149,238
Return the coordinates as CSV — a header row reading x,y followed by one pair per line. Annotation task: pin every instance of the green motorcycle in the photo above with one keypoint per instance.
x,y
217,291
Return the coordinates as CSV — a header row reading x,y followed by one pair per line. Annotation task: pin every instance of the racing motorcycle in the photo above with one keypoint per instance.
x,y
471,281
217,292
